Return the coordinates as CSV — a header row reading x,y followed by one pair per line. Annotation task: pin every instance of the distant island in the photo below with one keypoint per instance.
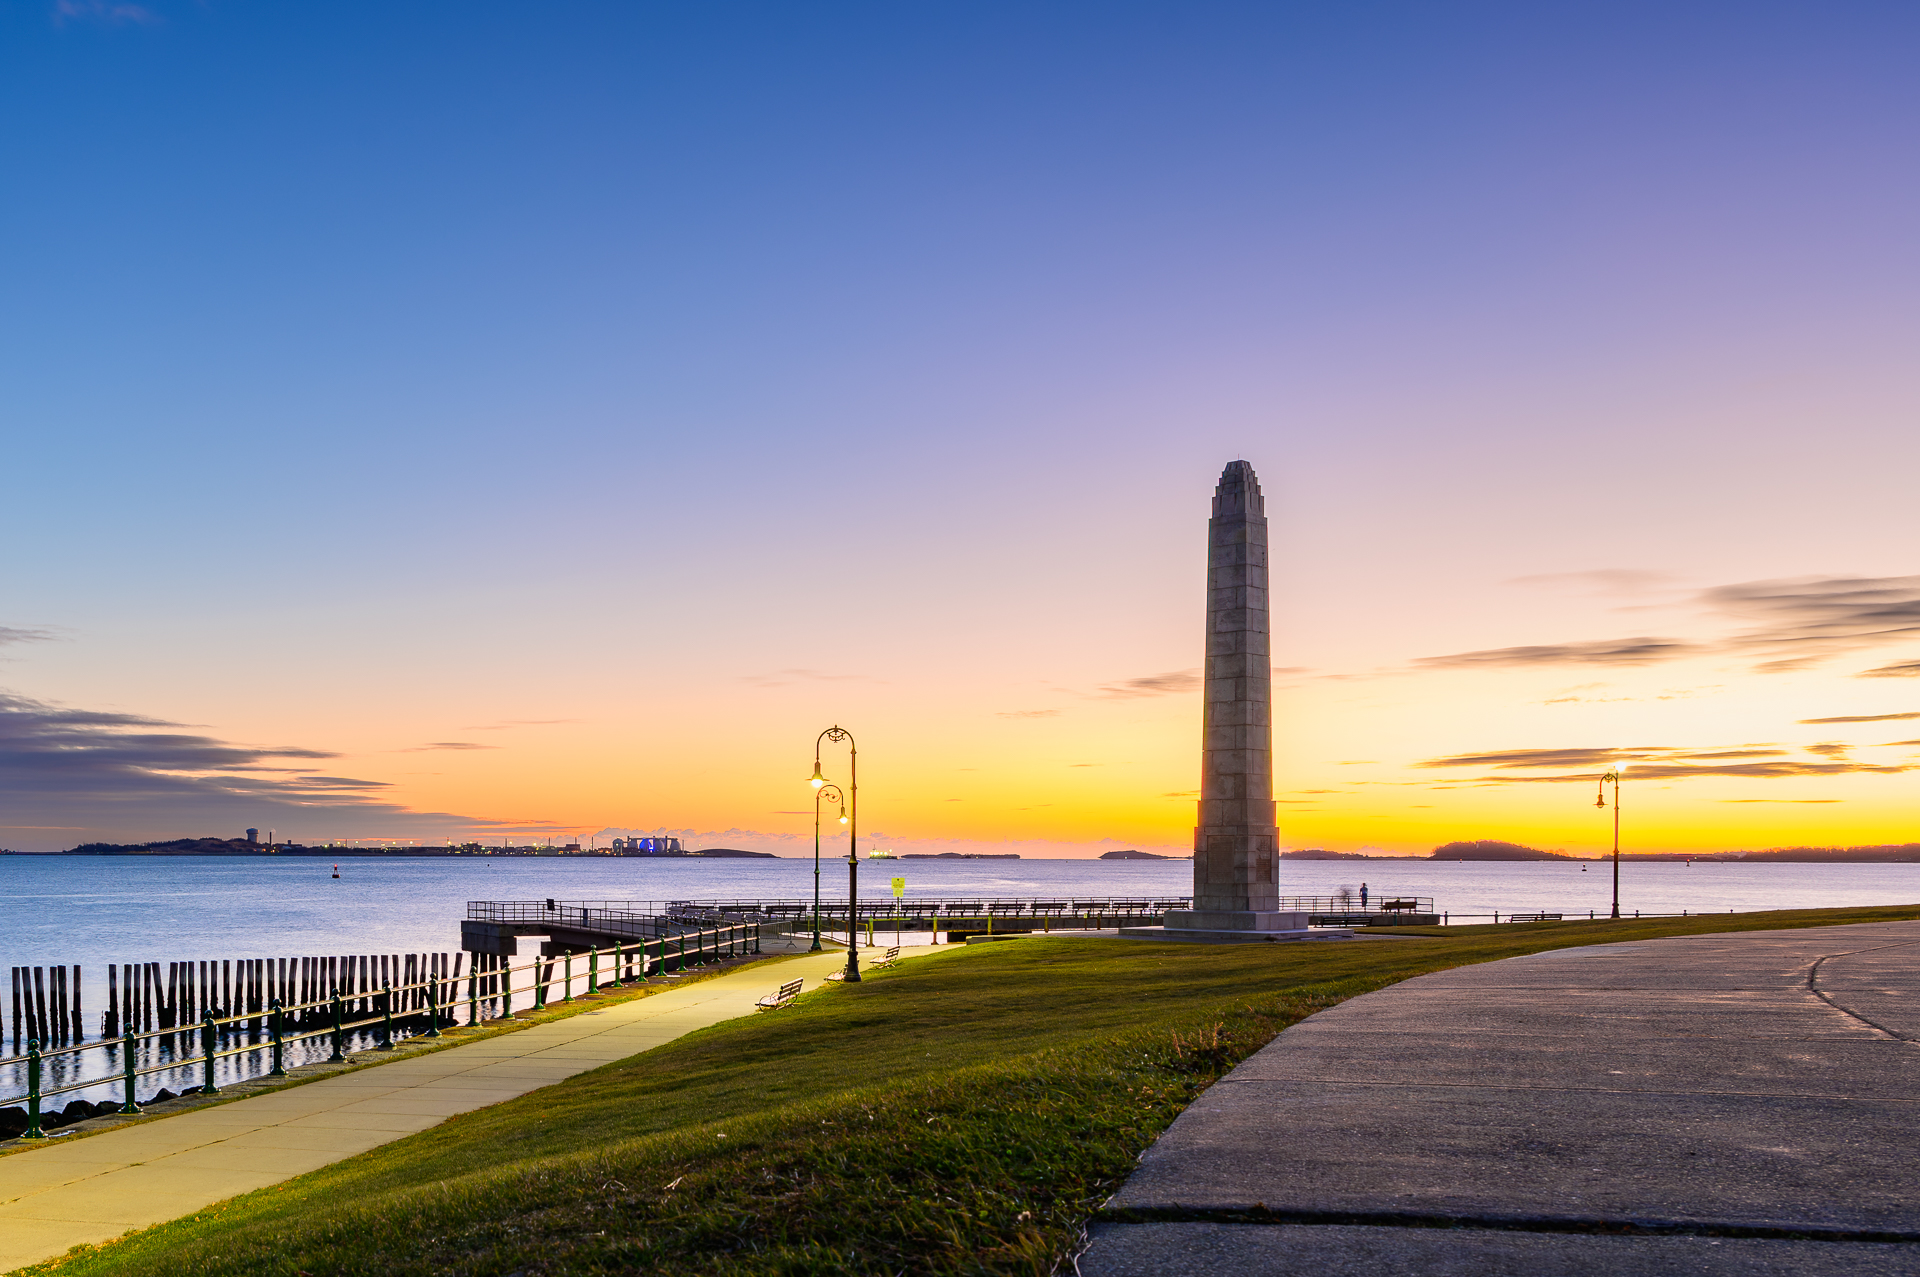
x,y
1314,853
1136,855
1493,849
1905,853
959,855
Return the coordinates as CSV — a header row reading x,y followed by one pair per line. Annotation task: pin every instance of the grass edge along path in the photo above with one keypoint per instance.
x,y
960,1116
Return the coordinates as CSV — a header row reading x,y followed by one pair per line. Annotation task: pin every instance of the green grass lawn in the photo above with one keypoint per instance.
x,y
963,1114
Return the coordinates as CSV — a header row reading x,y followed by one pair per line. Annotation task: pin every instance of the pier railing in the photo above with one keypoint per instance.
x,y
257,1041
568,913
956,915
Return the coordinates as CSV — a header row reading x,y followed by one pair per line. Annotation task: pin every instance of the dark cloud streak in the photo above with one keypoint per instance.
x,y
1795,623
1859,718
1166,684
107,771
1627,651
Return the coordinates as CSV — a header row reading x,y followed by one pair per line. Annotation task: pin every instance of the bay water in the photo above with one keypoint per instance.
x,y
92,911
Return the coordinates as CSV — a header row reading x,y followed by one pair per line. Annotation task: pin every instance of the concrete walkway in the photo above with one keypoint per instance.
x,y
97,1188
1742,1103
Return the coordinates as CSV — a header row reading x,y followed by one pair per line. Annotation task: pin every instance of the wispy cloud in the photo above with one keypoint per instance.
x,y
1792,624
782,678
1631,582
1898,669
1808,619
1166,684
1627,651
1860,718
1656,763
11,634
113,13
443,744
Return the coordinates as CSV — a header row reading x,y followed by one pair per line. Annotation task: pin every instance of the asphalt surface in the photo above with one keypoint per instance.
x,y
1742,1103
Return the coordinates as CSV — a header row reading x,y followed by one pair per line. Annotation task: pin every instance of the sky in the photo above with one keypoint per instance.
x,y
488,420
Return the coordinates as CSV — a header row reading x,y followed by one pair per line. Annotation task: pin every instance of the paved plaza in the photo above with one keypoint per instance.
x,y
1737,1103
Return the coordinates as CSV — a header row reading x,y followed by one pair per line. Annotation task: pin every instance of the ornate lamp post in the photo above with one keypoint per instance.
x,y
830,792
1613,774
819,781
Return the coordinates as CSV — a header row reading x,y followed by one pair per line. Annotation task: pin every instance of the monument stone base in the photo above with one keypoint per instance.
x,y
1209,926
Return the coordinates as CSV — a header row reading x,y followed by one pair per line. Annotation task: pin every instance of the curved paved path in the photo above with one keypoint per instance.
x,y
1742,1092
97,1188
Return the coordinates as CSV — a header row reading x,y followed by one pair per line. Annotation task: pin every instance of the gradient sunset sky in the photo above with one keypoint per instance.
x,y
486,419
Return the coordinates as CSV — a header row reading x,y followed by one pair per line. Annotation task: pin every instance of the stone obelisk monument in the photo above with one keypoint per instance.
x,y
1236,852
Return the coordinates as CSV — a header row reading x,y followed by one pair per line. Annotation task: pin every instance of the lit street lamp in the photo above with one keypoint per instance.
x,y
819,781
822,789
1613,774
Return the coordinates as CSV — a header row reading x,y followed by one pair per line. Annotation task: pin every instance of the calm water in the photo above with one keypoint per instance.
x,y
94,910
97,910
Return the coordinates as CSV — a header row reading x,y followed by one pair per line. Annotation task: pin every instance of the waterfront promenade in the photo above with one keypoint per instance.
x,y
1740,1103
96,1188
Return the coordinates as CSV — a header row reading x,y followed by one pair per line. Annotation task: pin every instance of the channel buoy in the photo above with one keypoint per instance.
x,y
336,871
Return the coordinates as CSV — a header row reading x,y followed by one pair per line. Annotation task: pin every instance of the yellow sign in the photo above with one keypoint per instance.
x,y
899,888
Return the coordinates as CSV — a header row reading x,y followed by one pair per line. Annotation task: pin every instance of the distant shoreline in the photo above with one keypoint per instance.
x,y
436,853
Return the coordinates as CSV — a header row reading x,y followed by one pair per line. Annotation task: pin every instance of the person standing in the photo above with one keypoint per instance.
x,y
1363,895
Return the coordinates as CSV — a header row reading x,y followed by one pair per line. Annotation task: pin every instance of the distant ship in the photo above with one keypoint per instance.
x,y
877,854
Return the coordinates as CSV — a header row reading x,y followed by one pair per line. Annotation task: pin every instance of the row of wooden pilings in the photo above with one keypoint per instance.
x,y
142,997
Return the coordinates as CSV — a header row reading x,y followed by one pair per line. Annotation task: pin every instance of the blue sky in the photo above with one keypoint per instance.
x,y
374,372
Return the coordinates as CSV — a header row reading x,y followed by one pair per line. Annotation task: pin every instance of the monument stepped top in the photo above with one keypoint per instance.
x,y
1238,493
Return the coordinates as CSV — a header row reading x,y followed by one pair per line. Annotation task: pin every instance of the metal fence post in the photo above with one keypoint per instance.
x,y
566,989
276,1030
339,1031
593,970
540,984
506,991
33,1131
208,1036
127,1045
433,1009
386,1013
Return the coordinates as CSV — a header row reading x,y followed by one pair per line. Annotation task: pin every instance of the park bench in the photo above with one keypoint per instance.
x,y
873,964
774,1001
1400,906
1533,917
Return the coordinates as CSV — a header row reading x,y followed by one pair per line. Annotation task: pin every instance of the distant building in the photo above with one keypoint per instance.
x,y
253,835
648,846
